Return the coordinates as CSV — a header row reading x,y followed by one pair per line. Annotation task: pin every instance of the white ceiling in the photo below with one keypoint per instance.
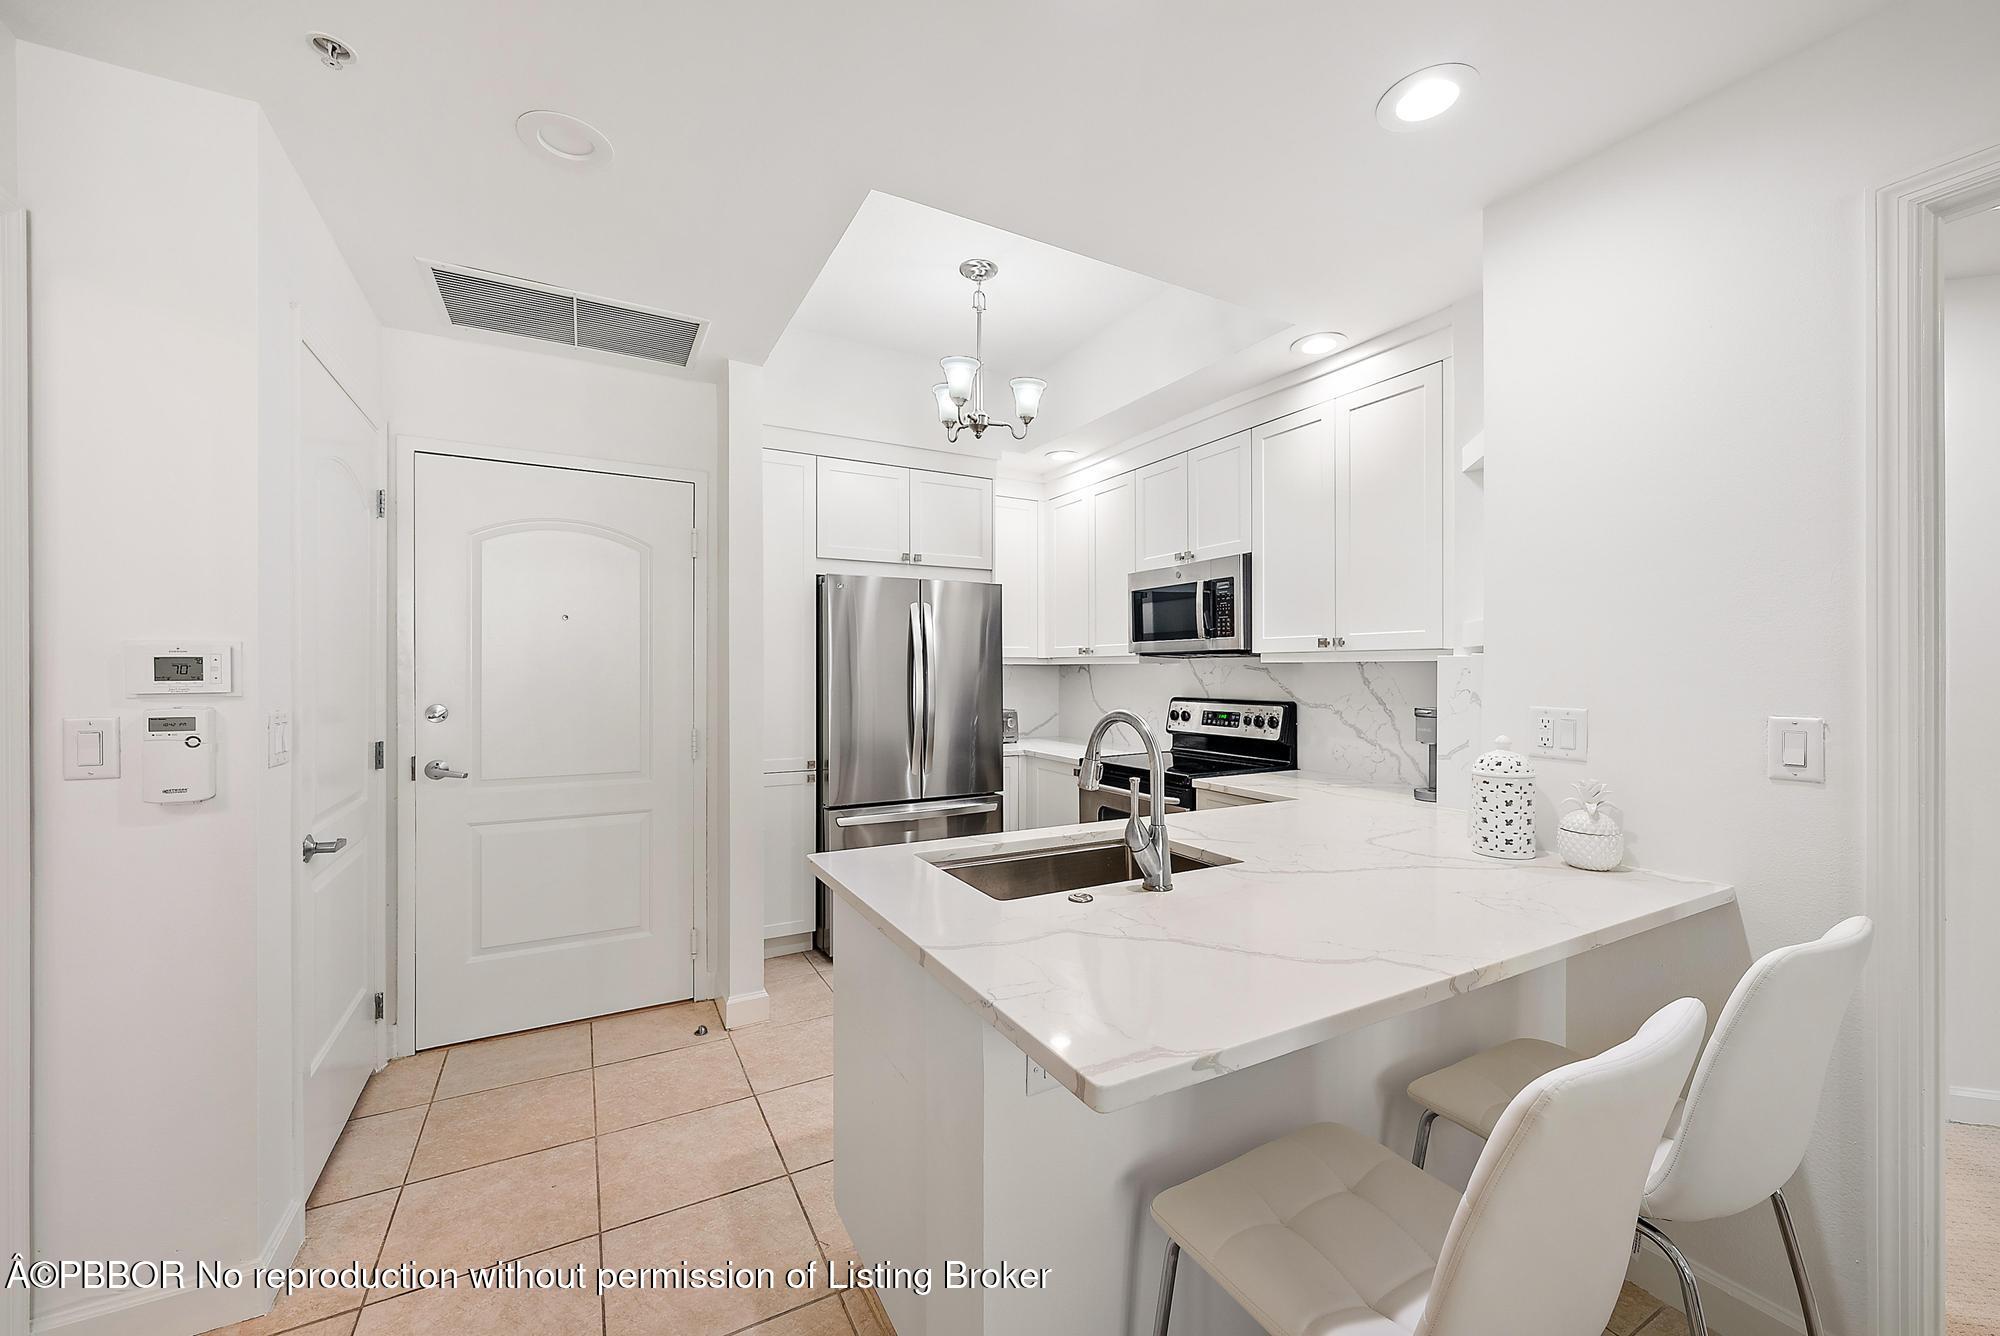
x,y
893,281
1228,149
1972,245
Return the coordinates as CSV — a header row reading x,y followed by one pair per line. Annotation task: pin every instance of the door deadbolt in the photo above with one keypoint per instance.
x,y
437,714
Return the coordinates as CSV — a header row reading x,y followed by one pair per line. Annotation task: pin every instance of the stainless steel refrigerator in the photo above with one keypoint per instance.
x,y
909,713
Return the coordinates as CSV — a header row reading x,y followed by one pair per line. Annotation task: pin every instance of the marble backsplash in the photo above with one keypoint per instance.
x,y
1034,693
1355,719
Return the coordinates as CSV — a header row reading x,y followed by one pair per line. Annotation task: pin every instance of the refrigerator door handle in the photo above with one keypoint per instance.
x,y
930,689
921,813
919,691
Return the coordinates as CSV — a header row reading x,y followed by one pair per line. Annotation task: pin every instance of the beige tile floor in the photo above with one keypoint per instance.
x,y
1971,1230
628,1141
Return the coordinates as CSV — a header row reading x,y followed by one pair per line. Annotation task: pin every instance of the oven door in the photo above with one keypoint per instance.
x,y
1109,804
1167,616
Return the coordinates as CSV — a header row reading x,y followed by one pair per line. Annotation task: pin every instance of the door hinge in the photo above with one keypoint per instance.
x,y
694,744
694,543
378,1006
694,941
381,503
413,767
381,758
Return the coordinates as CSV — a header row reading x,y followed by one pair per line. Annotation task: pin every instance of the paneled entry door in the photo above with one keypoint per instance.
x,y
338,793
556,789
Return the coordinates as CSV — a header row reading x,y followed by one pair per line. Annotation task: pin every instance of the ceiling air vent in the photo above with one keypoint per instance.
x,y
480,301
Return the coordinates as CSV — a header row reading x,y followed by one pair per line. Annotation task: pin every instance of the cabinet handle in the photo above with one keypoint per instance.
x,y
917,557
1340,642
906,556
1324,642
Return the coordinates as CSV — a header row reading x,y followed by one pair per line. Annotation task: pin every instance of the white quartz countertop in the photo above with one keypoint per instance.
x,y
1055,749
1349,904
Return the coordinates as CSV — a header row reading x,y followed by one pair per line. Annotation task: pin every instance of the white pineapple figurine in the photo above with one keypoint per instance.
x,y
1590,837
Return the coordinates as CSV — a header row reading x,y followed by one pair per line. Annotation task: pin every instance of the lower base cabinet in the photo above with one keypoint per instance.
x,y
1011,800
790,800
1051,798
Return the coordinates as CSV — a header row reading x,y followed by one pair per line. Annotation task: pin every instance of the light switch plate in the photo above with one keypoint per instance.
x,y
277,739
90,748
1795,747
1559,732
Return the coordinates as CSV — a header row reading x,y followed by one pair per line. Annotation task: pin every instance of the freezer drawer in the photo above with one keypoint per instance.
x,y
899,823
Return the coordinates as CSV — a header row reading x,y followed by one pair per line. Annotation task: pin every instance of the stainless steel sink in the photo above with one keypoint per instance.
x,y
1047,871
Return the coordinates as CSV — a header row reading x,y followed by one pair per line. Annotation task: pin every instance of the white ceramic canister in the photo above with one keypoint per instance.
x,y
1503,804
1590,837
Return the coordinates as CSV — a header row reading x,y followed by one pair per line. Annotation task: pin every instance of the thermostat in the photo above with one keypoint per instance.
x,y
178,756
180,668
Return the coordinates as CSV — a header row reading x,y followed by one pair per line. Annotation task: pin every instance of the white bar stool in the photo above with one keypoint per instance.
x,y
1325,1230
1739,1136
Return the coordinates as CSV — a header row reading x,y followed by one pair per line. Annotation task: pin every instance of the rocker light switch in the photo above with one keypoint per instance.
x,y
90,748
1797,748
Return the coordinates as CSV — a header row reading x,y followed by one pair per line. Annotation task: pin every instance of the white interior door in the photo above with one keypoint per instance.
x,y
338,716
555,639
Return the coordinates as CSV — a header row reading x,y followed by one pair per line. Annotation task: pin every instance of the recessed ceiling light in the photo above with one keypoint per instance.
x,y
1421,97
333,53
1059,456
1314,345
563,136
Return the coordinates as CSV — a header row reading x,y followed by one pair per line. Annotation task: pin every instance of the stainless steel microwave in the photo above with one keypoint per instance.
x,y
1198,607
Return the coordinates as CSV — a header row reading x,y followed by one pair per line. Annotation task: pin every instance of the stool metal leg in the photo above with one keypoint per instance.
x,y
1423,1138
1166,1305
1807,1308
1690,1292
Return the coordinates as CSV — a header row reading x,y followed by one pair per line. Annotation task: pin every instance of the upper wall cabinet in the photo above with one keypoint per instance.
x,y
1349,511
1067,570
1089,554
1017,567
881,512
1196,505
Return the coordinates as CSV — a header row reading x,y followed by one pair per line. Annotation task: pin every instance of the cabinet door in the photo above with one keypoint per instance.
x,y
1218,490
951,519
1113,558
1013,795
788,837
1052,793
1067,584
1017,566
1388,445
864,511
1162,513
789,615
1292,582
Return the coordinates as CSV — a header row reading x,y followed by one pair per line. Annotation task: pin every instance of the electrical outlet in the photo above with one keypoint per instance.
x,y
1039,1080
1559,732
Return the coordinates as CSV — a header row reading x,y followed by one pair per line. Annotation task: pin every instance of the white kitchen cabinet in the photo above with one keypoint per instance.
x,y
1066,576
1162,507
1014,792
789,802
1113,558
1219,498
950,519
1292,585
1388,482
864,511
1052,798
1017,567
1195,505
790,617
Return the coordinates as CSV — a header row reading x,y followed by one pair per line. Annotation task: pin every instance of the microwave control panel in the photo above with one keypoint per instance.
x,y
1243,719
1221,608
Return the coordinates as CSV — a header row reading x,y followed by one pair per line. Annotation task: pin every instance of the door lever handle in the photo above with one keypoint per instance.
x,y
311,846
439,770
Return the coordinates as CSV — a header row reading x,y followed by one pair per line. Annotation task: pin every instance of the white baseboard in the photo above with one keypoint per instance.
x,y
745,1009
789,944
180,1312
1729,1307
1969,1104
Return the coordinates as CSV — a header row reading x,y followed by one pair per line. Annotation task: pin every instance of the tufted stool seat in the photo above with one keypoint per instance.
x,y
1322,1230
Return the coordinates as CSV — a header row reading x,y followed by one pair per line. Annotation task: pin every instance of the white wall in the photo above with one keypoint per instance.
x,y
525,399
818,383
1971,347
171,245
1676,339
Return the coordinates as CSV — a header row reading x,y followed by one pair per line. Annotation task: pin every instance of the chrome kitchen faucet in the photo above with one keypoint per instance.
x,y
1148,846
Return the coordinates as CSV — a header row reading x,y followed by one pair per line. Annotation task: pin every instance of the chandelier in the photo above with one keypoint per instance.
x,y
961,400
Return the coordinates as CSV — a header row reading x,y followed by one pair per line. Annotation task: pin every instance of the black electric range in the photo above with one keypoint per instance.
x,y
1207,738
